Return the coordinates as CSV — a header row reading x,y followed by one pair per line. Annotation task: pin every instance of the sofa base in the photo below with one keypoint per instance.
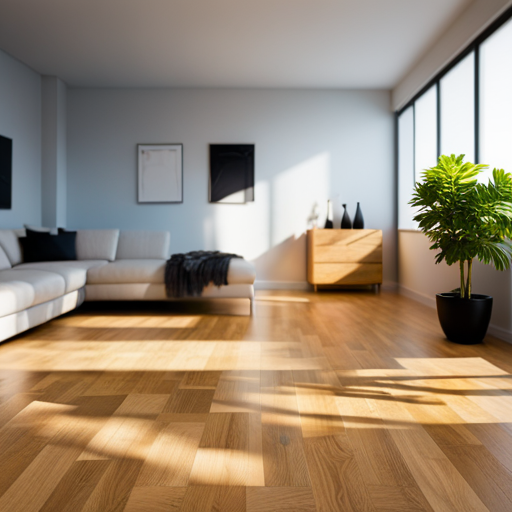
x,y
148,291
14,324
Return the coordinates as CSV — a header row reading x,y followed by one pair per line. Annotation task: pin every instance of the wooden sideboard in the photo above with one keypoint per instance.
x,y
338,257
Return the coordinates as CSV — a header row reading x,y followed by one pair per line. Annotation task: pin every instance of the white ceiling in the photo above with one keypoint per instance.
x,y
224,43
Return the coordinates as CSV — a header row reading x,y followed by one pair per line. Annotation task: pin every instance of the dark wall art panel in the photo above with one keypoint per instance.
x,y
231,173
5,173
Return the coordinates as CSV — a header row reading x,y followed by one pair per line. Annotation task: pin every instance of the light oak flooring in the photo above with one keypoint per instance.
x,y
324,402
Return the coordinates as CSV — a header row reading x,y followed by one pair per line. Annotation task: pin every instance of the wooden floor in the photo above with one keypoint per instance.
x,y
328,402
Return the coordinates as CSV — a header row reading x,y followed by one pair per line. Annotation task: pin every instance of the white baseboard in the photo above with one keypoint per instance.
x,y
494,330
304,285
282,285
418,297
499,332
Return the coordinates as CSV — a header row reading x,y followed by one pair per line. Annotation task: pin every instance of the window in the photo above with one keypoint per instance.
x,y
496,100
425,132
405,168
457,89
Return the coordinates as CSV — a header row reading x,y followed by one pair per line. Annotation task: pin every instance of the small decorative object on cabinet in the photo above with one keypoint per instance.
x,y
358,219
329,224
338,257
346,223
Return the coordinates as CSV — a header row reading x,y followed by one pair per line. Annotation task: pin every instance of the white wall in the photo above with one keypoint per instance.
x,y
310,146
54,161
20,120
420,279
478,15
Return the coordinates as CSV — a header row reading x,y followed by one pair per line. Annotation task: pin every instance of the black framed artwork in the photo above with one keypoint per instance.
x,y
5,173
231,173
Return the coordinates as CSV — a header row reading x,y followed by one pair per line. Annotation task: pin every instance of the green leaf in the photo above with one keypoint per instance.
x,y
462,218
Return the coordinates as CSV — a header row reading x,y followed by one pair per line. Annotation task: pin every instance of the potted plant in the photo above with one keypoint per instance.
x,y
465,220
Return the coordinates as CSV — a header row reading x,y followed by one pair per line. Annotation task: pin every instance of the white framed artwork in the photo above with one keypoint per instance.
x,y
160,173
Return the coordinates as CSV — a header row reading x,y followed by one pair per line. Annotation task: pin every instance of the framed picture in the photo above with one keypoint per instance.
x,y
160,173
231,173
5,173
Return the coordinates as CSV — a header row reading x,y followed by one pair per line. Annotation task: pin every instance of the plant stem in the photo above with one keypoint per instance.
x,y
470,269
462,287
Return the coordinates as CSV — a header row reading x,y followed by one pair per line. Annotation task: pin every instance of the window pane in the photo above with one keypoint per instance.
x,y
458,110
425,132
405,168
496,100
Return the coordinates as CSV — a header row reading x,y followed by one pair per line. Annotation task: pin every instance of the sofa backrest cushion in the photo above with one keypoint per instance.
x,y
11,245
4,260
96,244
136,245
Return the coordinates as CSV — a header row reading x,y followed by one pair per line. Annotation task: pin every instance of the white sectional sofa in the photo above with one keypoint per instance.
x,y
110,265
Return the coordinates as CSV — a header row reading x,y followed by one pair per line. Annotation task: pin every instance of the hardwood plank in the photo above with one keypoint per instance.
x,y
14,405
398,499
438,479
316,397
114,383
207,498
230,451
128,433
489,479
113,490
155,383
377,455
172,455
36,484
277,499
76,486
189,401
200,380
335,475
237,391
283,452
155,499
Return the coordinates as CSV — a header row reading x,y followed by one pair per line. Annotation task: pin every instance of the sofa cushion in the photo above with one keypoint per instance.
x,y
4,260
143,245
73,272
96,244
20,289
128,271
11,245
241,271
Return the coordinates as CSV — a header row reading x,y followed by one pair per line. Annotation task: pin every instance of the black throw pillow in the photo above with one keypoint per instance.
x,y
39,246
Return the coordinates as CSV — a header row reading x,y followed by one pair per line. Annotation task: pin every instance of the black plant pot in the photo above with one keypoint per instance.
x,y
464,321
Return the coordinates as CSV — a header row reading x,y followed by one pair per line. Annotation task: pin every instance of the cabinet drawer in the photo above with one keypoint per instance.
x,y
345,273
346,246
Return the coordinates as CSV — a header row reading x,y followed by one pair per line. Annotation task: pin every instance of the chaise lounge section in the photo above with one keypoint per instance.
x,y
111,265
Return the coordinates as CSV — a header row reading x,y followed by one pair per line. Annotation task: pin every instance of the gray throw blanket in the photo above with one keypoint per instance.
x,y
187,274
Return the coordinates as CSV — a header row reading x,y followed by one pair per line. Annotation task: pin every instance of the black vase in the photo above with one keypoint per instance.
x,y
346,223
358,219
329,224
